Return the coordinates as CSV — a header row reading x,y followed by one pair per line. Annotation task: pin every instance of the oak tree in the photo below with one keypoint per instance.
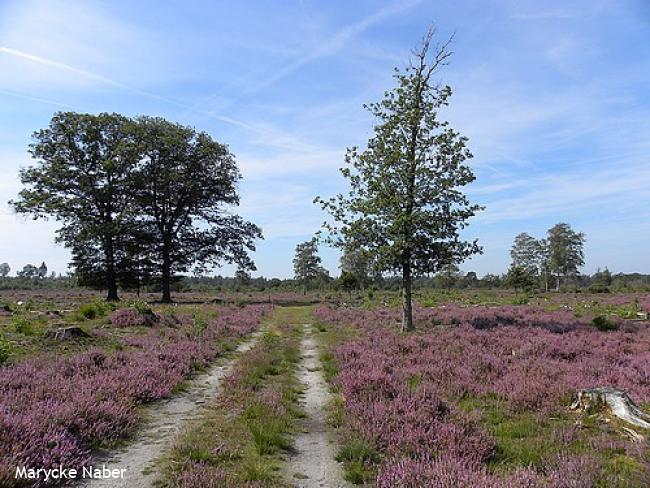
x,y
82,178
186,189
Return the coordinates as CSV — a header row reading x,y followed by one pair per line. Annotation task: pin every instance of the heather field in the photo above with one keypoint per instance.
x,y
62,399
479,396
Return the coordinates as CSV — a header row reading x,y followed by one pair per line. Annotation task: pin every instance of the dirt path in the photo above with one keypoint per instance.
x,y
165,420
313,464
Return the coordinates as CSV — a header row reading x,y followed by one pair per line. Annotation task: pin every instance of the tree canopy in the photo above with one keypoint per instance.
x,y
185,187
83,179
565,250
136,198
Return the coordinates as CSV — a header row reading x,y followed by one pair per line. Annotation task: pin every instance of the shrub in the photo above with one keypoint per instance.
x,y
521,300
142,307
23,325
89,311
5,349
130,317
516,358
95,309
603,323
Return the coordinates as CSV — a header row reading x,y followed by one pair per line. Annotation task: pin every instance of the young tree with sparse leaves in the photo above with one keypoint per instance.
x,y
28,271
405,203
357,263
526,253
520,278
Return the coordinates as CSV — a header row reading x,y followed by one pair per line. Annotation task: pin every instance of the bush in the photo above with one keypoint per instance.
x,y
23,325
596,288
142,307
5,349
93,310
603,323
130,317
521,300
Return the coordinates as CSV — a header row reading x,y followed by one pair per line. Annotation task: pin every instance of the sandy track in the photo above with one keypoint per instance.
x,y
166,418
313,464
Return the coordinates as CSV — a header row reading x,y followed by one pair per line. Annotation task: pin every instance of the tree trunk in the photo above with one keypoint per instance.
x,y
546,281
112,295
166,276
615,402
407,307
111,276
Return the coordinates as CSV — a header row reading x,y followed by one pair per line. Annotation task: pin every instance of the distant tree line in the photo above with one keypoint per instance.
x,y
140,200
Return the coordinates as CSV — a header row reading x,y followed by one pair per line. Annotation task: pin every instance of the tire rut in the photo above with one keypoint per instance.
x,y
312,464
166,418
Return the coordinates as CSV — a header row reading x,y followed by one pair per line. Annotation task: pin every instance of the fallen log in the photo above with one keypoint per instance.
x,y
617,402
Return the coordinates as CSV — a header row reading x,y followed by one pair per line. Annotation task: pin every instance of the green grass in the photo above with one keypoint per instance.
x,y
526,439
359,458
241,432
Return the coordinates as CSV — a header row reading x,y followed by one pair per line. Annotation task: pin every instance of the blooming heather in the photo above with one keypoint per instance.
x,y
53,409
400,391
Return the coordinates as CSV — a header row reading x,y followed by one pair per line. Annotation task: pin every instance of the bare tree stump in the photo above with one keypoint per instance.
x,y
617,402
65,333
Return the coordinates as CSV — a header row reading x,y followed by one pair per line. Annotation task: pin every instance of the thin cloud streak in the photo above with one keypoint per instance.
x,y
266,137
34,99
337,41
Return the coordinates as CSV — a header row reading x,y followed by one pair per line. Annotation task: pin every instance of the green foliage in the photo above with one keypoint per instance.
x,y
520,278
413,381
521,300
307,263
565,250
93,310
81,177
6,348
357,454
529,253
200,177
603,323
23,324
405,205
348,281
142,307
268,430
356,267
99,174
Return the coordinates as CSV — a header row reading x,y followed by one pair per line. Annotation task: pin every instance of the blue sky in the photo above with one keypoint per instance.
x,y
554,97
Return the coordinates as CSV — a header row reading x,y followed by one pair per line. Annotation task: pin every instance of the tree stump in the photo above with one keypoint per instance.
x,y
65,333
617,402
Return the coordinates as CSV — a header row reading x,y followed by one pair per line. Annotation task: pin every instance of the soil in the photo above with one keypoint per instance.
x,y
165,419
312,462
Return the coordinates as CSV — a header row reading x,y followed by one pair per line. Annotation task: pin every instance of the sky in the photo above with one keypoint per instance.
x,y
554,97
